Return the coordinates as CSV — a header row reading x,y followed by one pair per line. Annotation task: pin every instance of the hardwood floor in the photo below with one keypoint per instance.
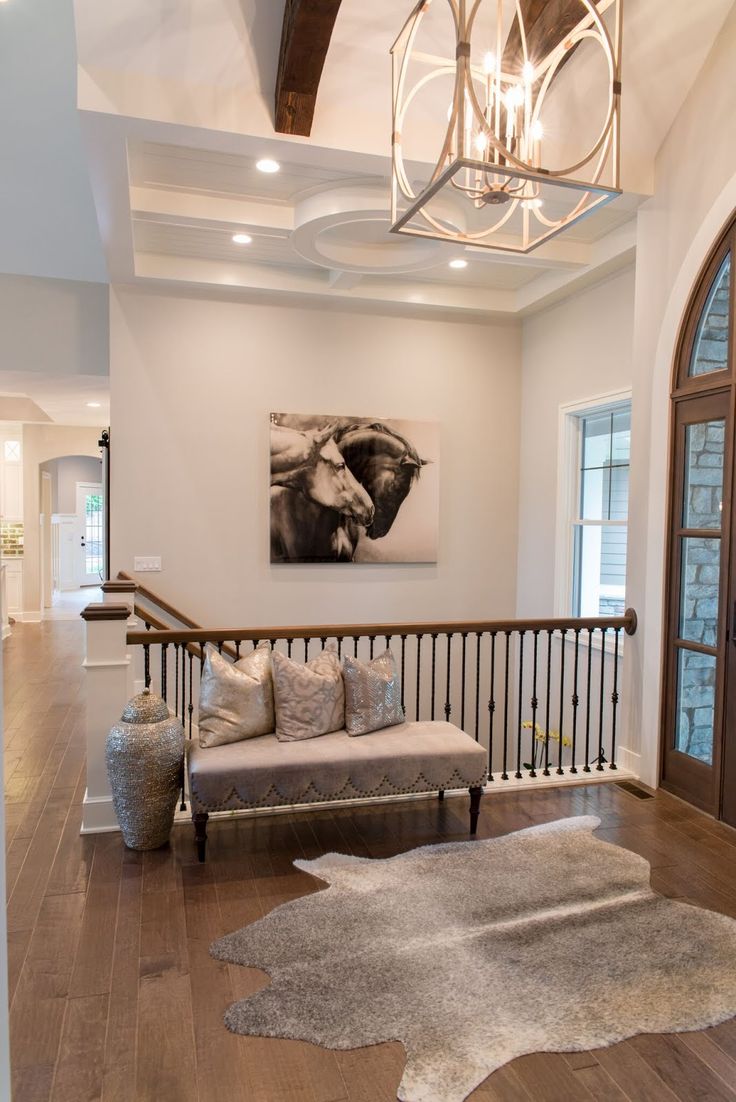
x,y
114,994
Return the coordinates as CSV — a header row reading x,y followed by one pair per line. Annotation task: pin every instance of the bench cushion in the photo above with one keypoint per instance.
x,y
263,772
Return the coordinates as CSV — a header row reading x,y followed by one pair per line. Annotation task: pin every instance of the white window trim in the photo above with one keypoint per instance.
x,y
568,473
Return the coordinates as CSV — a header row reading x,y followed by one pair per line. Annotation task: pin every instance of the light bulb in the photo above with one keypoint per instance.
x,y
532,204
480,143
537,130
528,72
514,97
458,263
489,63
242,238
267,165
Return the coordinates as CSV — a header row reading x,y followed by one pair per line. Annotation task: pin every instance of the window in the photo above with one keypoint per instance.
x,y
594,503
12,451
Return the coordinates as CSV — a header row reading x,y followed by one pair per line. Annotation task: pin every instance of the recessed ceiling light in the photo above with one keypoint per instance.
x,y
267,165
458,263
242,238
92,405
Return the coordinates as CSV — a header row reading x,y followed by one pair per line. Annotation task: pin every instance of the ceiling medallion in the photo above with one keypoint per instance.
x,y
532,139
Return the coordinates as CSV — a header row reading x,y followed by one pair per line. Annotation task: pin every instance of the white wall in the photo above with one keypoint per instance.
x,y
695,195
53,326
572,352
192,385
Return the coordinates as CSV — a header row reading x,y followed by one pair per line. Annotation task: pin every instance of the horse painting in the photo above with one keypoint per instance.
x,y
337,487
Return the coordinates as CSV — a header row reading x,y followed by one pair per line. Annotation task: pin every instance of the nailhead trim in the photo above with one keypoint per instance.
x,y
421,784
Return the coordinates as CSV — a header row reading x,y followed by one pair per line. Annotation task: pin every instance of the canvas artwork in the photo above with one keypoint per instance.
x,y
353,489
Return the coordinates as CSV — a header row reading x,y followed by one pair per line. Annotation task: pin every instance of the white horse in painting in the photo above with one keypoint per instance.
x,y
313,495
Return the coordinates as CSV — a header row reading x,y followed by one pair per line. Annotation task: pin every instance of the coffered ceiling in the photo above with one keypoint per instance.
x,y
176,105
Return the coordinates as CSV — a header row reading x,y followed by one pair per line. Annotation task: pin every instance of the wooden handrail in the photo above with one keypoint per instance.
x,y
158,601
347,631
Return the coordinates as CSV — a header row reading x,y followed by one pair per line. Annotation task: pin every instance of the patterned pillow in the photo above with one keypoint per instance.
x,y
372,694
309,697
235,699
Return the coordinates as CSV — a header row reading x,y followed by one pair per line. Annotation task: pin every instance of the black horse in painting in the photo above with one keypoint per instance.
x,y
385,464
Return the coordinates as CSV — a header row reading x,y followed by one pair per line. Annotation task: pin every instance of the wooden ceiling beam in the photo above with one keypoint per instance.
x,y
546,23
305,38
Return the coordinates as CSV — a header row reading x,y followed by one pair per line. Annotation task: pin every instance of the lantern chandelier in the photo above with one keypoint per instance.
x,y
510,174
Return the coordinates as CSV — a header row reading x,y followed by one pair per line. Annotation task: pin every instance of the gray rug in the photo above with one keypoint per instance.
x,y
473,953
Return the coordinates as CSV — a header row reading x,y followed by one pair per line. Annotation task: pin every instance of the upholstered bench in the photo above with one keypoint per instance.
x,y
263,772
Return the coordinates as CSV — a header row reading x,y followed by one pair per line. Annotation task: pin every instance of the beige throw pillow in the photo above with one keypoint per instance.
x,y
309,697
372,694
235,699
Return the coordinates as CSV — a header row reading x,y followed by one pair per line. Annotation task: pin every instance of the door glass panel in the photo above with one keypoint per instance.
x,y
696,698
704,450
710,350
699,590
93,533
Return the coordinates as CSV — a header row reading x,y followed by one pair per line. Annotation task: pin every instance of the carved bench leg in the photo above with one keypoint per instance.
x,y
475,795
200,832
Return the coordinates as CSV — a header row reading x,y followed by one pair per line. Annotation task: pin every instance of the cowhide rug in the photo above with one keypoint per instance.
x,y
473,953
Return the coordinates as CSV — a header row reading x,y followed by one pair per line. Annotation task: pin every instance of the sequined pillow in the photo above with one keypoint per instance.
x,y
372,694
235,699
309,697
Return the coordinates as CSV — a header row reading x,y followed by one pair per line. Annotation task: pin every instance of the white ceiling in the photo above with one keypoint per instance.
x,y
177,103
63,398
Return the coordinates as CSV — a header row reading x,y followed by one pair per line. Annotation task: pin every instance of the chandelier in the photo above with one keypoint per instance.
x,y
530,141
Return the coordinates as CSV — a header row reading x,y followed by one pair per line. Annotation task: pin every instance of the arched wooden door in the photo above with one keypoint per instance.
x,y
699,707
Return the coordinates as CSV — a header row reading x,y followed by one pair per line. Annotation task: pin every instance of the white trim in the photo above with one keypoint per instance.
x,y
31,617
628,760
568,461
98,815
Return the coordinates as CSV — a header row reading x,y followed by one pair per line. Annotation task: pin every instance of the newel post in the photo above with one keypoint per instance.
x,y
123,592
108,680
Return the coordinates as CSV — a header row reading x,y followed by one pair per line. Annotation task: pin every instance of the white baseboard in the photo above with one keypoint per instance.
x,y
32,617
627,759
98,815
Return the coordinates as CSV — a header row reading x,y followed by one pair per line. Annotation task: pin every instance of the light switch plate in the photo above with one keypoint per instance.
x,y
142,563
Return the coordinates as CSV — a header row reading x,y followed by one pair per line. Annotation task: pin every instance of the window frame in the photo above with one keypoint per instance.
x,y
570,420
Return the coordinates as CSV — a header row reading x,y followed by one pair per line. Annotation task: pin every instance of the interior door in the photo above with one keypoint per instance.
x,y
91,533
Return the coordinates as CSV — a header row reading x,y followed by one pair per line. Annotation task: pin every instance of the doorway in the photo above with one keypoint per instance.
x,y
699,706
90,545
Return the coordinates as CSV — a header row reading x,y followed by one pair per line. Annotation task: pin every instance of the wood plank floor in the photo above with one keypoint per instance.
x,y
115,997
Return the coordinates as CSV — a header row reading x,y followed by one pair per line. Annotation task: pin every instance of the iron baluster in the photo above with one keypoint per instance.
x,y
492,705
306,650
563,633
448,705
419,671
586,767
521,705
504,771
183,684
355,645
176,679
237,650
403,672
545,771
289,645
219,646
462,682
614,698
339,646
478,638
164,648
575,702
191,692
535,705
599,766
371,641
147,664
434,669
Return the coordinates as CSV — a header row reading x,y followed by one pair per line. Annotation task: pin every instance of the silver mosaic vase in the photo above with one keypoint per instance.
x,y
145,755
